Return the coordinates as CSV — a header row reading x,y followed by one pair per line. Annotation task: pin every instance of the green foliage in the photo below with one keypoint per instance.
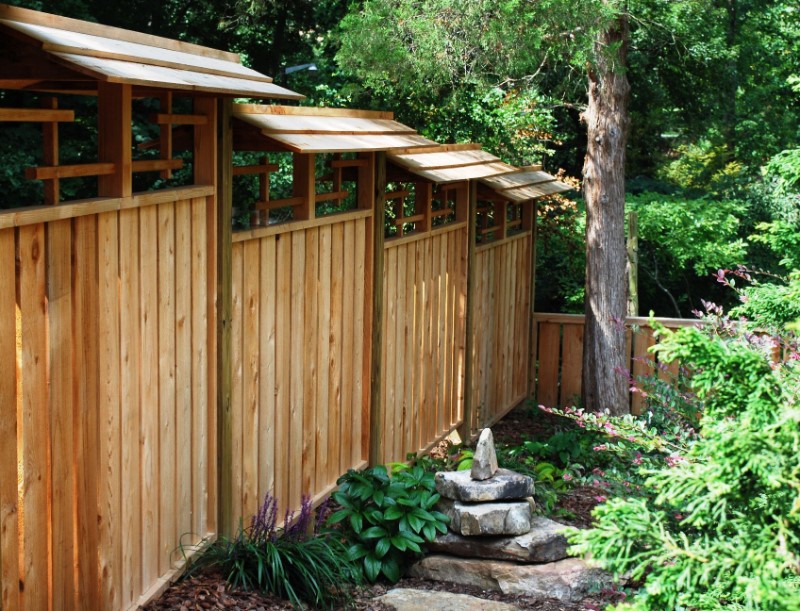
x,y
723,528
386,520
289,562
681,241
771,305
560,256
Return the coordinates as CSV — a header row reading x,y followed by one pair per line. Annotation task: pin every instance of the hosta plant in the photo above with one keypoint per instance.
x,y
386,519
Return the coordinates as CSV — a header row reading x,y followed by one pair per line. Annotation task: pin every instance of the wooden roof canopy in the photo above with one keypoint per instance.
x,y
302,129
449,163
525,184
44,52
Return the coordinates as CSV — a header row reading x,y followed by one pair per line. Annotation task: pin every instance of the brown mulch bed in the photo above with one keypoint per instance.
x,y
208,589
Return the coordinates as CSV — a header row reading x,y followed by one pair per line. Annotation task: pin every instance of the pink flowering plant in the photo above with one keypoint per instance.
x,y
624,449
717,521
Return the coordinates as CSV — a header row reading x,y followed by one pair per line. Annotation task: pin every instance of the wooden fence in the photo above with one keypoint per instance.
x,y
424,339
501,328
559,353
301,358
107,413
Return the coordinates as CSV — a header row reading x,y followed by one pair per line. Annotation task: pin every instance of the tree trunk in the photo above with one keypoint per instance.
x,y
604,366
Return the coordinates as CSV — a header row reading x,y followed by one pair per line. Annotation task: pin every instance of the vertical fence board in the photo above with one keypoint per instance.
x,y
9,516
282,371
403,357
345,412
419,372
62,355
203,410
149,418
642,362
35,425
237,386
87,460
549,356
309,380
249,381
362,338
340,411
109,506
409,407
167,474
389,361
298,326
572,365
130,359
267,331
183,373
327,363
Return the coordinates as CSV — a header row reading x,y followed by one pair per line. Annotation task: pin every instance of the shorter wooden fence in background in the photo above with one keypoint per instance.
x,y
559,354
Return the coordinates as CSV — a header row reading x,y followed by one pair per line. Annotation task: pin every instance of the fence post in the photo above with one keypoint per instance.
x,y
529,218
633,264
376,441
465,430
225,518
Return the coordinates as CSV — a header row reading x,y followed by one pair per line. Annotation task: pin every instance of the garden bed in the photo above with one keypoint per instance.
x,y
208,589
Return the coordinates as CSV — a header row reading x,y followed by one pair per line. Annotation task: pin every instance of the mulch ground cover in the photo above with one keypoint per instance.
x,y
208,589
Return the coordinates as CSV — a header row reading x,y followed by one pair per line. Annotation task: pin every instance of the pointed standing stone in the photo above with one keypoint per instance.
x,y
484,463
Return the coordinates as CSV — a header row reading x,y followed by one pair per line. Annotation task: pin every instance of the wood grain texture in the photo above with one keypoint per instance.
x,y
35,456
62,406
9,511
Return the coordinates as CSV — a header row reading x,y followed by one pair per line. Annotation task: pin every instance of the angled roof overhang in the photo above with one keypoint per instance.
x,y
48,52
524,184
321,130
449,163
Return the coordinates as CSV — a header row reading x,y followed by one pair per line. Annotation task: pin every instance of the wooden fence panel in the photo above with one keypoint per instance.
x,y
424,338
560,350
94,305
298,299
501,328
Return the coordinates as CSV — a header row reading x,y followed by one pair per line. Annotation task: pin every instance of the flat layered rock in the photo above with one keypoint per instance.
x,y
407,599
543,543
481,519
505,485
567,580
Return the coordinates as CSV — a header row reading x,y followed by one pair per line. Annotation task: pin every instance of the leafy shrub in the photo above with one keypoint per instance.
x,y
722,528
290,562
384,519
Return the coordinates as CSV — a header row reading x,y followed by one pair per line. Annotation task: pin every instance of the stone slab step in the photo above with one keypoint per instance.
x,y
567,580
543,543
504,485
408,599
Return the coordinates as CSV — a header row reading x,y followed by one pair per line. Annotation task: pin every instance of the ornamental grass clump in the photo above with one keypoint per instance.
x,y
299,561
719,527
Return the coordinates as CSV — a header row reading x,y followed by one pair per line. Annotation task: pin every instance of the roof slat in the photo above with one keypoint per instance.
x,y
161,77
530,192
120,56
73,43
328,130
15,13
333,143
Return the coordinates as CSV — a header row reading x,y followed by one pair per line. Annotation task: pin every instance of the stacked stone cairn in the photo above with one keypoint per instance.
x,y
496,542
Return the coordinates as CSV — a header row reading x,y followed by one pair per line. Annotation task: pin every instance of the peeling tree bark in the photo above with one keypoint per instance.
x,y
604,381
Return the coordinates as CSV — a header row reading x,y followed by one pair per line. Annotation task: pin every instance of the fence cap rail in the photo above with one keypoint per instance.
x,y
642,321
